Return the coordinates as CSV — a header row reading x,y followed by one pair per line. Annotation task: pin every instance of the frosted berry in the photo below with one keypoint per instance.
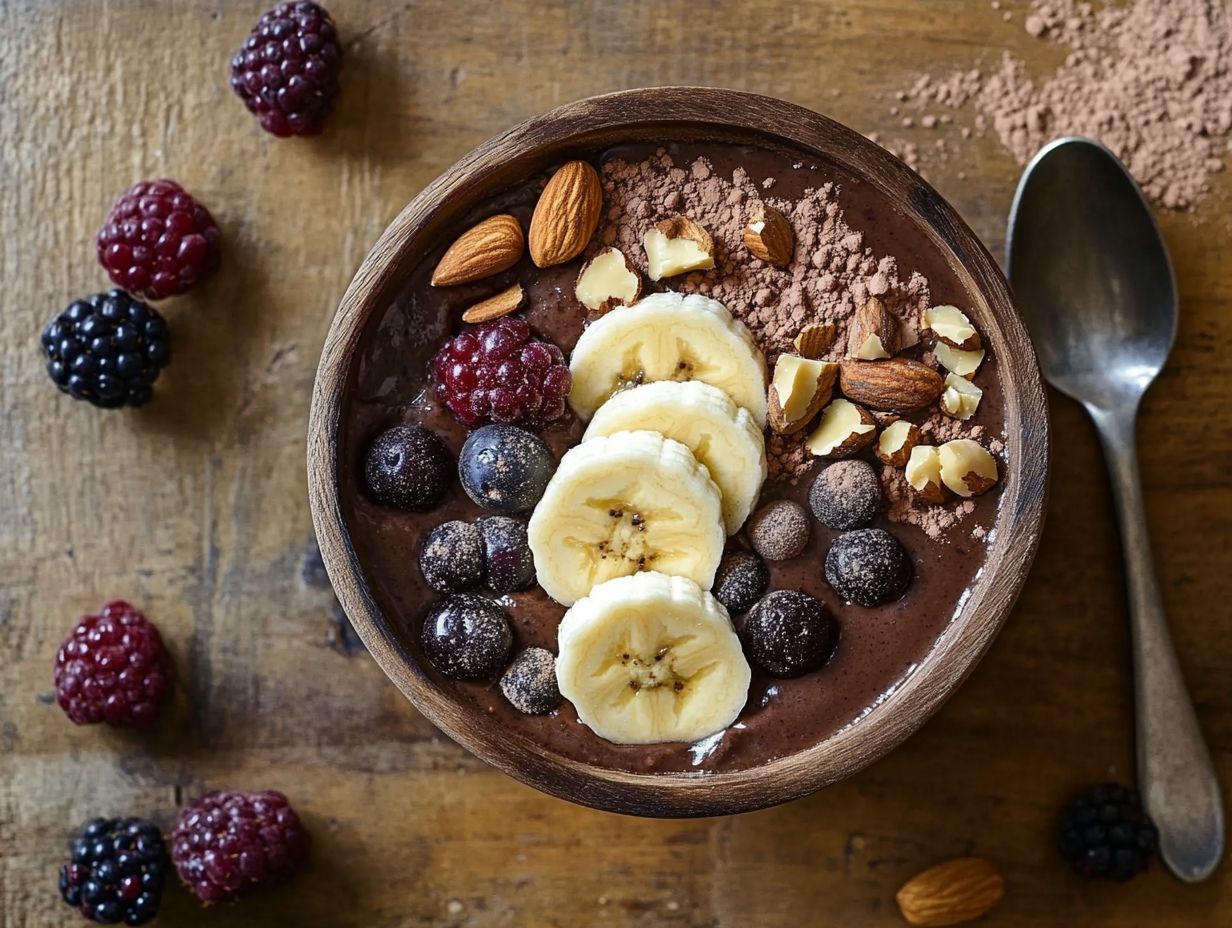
x,y
287,70
107,349
500,372
113,668
158,241
226,844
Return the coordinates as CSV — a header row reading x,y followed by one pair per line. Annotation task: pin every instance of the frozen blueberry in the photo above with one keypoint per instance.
x,y
779,530
530,682
508,563
868,567
789,633
740,581
845,495
504,468
467,637
451,558
407,467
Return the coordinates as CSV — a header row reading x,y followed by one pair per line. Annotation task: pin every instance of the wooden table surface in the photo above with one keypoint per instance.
x,y
195,507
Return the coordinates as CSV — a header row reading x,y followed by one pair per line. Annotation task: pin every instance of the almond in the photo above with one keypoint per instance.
x,y
493,246
798,390
844,429
815,339
962,363
967,468
769,237
566,215
923,473
873,333
896,441
502,304
676,245
950,325
606,281
893,385
951,893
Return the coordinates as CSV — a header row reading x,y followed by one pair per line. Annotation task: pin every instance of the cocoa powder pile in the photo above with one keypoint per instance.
x,y
832,272
1152,80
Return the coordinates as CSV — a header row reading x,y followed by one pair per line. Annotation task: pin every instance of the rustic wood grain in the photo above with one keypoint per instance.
x,y
196,507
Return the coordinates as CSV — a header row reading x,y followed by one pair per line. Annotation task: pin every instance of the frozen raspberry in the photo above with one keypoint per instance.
x,y
499,372
226,844
116,871
287,70
158,241
113,668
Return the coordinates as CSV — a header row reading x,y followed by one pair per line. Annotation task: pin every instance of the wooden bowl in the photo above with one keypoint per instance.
x,y
689,114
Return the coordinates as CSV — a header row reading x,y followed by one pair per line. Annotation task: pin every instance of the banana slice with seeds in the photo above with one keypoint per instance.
x,y
624,503
668,336
651,658
721,435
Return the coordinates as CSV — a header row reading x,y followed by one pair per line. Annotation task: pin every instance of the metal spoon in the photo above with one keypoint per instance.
x,y
1094,283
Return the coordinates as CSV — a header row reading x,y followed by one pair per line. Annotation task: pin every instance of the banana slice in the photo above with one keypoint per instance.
x,y
668,336
623,503
651,658
721,435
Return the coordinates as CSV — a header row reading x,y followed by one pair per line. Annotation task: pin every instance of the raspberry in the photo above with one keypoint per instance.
x,y
499,372
287,70
158,241
113,668
226,844
107,349
116,871
1106,835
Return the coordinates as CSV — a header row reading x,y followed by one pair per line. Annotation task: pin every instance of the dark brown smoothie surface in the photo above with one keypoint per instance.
x,y
878,648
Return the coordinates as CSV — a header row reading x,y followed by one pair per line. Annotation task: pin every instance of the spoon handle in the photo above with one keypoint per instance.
x,y
1177,778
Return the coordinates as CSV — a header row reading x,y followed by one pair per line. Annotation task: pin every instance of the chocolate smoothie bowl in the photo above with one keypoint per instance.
x,y
678,452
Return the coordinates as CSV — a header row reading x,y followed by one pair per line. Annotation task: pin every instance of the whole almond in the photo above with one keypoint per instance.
x,y
566,215
488,248
951,893
892,385
873,321
502,304
769,237
815,339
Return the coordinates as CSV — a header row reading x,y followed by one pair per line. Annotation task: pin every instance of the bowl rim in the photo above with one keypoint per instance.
x,y
977,618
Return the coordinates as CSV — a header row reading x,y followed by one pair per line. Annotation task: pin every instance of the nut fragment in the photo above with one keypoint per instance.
x,y
923,473
769,237
873,333
502,304
677,245
961,397
566,215
962,363
815,339
608,280
488,248
893,385
844,429
951,326
798,390
967,467
895,442
951,893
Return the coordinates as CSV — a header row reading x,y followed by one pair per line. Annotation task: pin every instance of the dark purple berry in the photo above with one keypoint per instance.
x,y
1106,835
116,871
789,633
868,567
508,562
452,557
467,637
846,495
530,682
741,580
408,467
505,469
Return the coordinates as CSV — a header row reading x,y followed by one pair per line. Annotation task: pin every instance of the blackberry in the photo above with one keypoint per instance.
x,y
158,241
226,844
107,349
113,668
116,871
1106,835
287,70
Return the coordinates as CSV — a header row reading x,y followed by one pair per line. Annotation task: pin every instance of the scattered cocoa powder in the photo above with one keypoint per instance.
x,y
1149,79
